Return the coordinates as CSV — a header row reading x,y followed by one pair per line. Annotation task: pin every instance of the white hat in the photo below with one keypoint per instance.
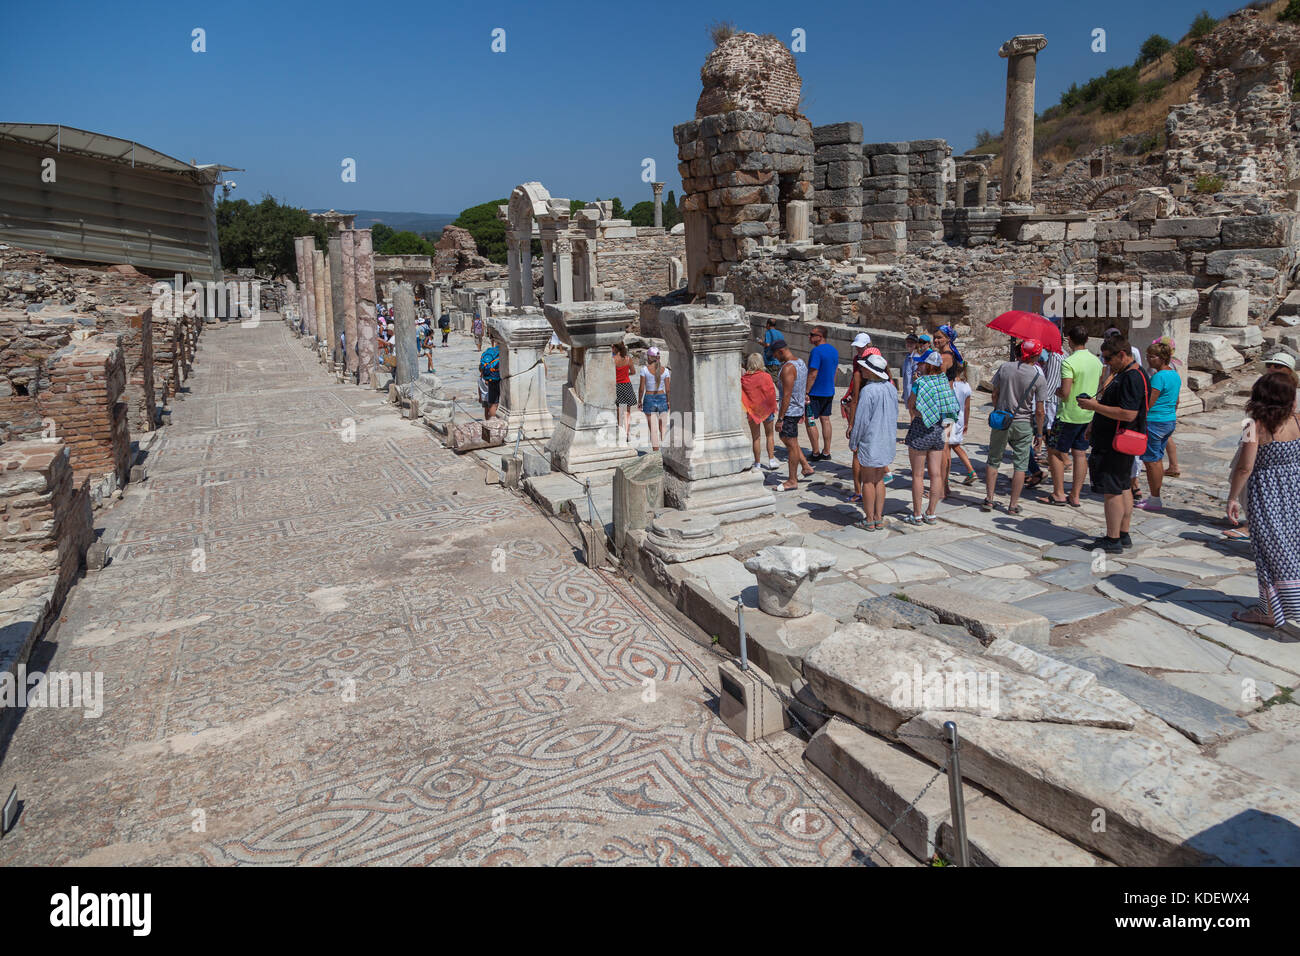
x,y
1281,358
862,340
876,365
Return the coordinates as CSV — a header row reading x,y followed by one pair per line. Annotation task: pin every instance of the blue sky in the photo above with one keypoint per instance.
x,y
583,92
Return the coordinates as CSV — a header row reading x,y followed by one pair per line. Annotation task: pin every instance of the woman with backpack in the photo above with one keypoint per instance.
x,y
489,381
652,395
477,329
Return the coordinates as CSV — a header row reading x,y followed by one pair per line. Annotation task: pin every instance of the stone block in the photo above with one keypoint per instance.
x,y
1114,231
987,620
889,165
885,182
891,612
1218,263
748,702
844,175
1212,353
839,153
842,232
1081,231
1202,228
851,197
884,212
834,133
1241,338
1150,245
1042,232
638,495
1246,232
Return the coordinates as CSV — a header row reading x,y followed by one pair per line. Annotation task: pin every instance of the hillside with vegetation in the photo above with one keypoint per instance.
x,y
1126,107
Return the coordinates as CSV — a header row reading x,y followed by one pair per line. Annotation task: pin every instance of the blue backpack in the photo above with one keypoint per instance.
x,y
489,365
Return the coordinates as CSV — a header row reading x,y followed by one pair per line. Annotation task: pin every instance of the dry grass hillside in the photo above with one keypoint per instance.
x,y
1066,132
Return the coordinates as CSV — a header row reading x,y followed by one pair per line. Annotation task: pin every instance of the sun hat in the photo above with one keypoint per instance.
x,y
1030,349
862,340
932,358
1281,358
876,365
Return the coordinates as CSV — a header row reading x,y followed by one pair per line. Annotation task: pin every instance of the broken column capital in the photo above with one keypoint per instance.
x,y
1026,44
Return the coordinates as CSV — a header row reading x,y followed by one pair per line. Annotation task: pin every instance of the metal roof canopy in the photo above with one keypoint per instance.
x,y
101,146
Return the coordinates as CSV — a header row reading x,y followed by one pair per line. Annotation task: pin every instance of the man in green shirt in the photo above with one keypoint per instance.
x,y
1080,375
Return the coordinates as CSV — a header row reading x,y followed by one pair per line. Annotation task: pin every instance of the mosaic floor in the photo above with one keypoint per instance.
x,y
325,639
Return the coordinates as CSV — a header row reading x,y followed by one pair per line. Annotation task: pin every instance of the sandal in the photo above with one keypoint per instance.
x,y
930,519
987,505
1014,509
855,498
1237,534
1074,504
1049,500
865,525
1173,474
1243,617
914,520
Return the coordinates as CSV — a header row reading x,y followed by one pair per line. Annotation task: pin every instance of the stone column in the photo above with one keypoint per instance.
x,y
512,266
548,271
1021,53
304,287
982,185
436,304
308,287
337,314
521,337
349,264
321,331
564,269
367,328
327,324
708,453
526,271
959,188
659,203
404,344
586,440
798,212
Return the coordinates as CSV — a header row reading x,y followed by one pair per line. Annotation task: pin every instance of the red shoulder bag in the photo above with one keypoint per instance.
x,y
1130,441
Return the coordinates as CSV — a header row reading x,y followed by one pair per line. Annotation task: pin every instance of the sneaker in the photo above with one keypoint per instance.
x,y
1109,545
1151,504
773,464
1124,540
756,466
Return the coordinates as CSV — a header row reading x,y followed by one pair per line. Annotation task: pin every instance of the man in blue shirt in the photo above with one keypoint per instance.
x,y
823,360
770,362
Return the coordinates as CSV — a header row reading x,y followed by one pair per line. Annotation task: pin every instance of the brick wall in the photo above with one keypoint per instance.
x,y
639,264
45,518
83,400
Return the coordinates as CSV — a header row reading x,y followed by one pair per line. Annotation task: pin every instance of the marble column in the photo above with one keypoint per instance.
x,y
349,264
708,453
512,267
981,185
564,269
308,287
586,438
321,330
659,204
367,328
959,188
327,325
548,271
521,337
526,271
798,217
405,346
436,304
290,297
337,313
1021,53
304,285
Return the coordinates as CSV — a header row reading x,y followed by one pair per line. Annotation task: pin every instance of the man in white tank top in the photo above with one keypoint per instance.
x,y
794,388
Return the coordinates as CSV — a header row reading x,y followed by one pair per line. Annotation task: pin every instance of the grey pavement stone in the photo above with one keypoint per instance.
x,y
891,612
1195,717
1075,576
987,620
1137,585
1145,640
1267,645
977,555
999,589
1067,607
1231,692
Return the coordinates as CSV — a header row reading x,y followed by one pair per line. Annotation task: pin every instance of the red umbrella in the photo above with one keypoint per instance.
x,y
1027,325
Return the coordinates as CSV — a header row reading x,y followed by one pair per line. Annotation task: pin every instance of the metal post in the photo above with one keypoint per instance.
x,y
591,505
740,623
955,796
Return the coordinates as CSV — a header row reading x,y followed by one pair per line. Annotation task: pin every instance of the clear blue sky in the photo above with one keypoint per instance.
x,y
436,121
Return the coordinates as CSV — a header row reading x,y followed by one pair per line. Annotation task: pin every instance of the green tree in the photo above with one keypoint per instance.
x,y
672,215
1153,49
488,231
1202,25
1121,93
380,233
1185,60
260,237
642,214
404,243
619,211
1292,12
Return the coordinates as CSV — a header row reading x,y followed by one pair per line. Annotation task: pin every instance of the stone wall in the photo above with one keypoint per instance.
x,y
926,191
83,400
45,517
638,264
838,169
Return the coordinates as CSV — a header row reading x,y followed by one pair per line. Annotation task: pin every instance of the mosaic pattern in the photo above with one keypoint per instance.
x,y
332,652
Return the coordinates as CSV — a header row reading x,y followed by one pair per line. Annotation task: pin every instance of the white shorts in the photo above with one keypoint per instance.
x,y
957,435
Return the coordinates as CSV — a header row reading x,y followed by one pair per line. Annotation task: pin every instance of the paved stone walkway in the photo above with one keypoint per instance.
x,y
327,651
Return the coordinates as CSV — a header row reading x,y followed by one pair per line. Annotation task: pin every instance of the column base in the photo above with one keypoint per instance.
x,y
730,497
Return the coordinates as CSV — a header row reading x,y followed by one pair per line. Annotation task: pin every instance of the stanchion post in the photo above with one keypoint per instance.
x,y
955,795
740,624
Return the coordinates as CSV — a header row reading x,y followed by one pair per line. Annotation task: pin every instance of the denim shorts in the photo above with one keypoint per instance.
x,y
1157,437
1070,436
654,403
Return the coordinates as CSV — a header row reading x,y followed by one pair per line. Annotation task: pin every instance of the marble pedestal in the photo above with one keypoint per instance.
x,y
521,335
709,452
586,440
787,579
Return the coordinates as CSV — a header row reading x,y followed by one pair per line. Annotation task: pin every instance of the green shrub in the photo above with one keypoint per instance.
x,y
1292,12
721,31
1185,61
1153,49
983,138
1209,184
1151,91
1120,94
1202,25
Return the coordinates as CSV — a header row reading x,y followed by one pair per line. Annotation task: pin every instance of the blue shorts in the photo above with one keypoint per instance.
x,y
1070,437
819,406
1157,437
654,403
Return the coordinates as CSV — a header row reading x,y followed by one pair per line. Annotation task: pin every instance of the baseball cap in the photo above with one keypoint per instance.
x,y
932,358
862,340
923,337
876,365
1030,348
1281,358
652,352
778,343
911,337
